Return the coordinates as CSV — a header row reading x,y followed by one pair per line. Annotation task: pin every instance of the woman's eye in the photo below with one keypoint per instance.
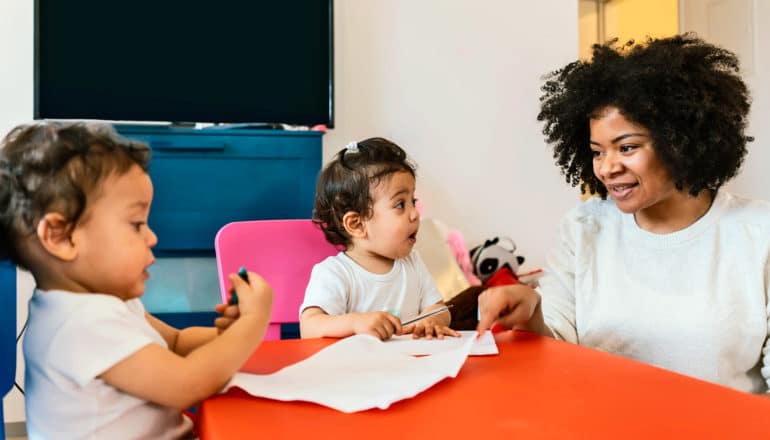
x,y
627,148
596,153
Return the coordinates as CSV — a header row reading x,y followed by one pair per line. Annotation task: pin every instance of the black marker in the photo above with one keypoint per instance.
x,y
233,294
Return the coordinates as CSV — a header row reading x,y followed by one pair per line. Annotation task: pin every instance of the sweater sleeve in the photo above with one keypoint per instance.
x,y
557,286
766,348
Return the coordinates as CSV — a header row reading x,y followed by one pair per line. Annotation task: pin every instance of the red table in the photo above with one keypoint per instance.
x,y
536,388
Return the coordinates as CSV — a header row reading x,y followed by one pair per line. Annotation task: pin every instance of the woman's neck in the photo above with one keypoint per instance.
x,y
675,213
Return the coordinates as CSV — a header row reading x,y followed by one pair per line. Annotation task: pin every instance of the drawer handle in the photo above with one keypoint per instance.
x,y
188,148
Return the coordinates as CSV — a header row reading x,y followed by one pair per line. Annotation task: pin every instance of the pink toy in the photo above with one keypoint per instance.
x,y
281,251
456,243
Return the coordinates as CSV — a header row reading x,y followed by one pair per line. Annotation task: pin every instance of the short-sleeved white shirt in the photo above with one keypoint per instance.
x,y
338,285
71,339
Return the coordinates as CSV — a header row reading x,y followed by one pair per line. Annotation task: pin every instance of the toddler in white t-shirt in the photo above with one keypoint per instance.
x,y
74,203
365,204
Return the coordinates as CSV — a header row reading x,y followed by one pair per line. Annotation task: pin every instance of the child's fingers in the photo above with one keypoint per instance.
x,y
450,332
430,330
418,331
256,294
257,282
379,333
394,322
230,311
222,322
237,282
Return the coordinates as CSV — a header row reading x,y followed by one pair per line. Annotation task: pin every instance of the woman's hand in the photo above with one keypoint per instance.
x,y
514,306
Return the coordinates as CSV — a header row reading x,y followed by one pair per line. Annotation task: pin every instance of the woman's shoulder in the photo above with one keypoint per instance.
x,y
594,210
743,210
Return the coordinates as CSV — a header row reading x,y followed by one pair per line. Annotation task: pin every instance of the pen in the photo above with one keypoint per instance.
x,y
233,295
425,315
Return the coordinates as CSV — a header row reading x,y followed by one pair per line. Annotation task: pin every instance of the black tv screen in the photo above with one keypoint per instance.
x,y
221,61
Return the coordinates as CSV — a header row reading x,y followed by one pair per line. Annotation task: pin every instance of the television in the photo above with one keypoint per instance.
x,y
185,61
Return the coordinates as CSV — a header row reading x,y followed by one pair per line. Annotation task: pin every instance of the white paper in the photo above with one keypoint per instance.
x,y
406,344
355,374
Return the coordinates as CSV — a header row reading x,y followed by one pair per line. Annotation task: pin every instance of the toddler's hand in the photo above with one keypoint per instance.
x,y
429,328
255,299
229,315
380,324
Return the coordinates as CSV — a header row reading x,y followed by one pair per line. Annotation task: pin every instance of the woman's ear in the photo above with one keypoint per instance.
x,y
55,234
354,224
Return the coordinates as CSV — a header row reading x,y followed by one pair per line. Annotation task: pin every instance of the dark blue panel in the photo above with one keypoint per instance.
x,y
290,330
7,328
191,319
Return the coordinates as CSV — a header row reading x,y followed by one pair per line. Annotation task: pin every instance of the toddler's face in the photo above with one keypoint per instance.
x,y
392,229
113,239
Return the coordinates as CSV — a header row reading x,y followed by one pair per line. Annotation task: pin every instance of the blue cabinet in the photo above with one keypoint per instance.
x,y
204,179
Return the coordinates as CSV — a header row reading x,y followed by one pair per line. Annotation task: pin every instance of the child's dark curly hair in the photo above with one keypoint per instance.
x,y
685,91
47,167
345,184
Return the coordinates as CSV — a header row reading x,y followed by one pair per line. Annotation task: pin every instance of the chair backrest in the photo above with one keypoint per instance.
x,y
7,333
281,251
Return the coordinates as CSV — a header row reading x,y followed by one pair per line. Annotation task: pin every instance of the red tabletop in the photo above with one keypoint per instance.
x,y
536,388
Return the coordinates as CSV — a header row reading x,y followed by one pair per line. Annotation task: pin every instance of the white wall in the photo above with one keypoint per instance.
x,y
455,82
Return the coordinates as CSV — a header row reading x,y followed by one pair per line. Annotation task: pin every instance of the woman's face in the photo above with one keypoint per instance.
x,y
625,161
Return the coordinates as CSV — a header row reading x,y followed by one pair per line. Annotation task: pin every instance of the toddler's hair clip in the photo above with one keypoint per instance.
x,y
351,147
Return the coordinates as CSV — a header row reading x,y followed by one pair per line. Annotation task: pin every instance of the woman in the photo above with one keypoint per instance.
x,y
671,269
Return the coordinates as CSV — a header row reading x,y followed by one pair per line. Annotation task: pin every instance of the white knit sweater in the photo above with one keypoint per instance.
x,y
694,301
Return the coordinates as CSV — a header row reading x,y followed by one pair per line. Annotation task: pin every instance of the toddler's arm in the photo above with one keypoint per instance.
x,y
185,340
162,376
315,323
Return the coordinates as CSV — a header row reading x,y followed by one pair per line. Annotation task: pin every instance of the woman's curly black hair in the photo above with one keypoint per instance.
x,y
686,92
345,184
57,167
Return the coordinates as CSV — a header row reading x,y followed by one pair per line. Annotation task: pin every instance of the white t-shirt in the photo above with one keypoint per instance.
x,y
693,301
338,285
70,340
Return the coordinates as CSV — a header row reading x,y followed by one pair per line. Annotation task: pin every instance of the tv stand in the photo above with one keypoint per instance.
x,y
182,124
247,126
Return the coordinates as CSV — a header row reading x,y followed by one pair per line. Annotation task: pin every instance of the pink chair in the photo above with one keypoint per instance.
x,y
281,251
